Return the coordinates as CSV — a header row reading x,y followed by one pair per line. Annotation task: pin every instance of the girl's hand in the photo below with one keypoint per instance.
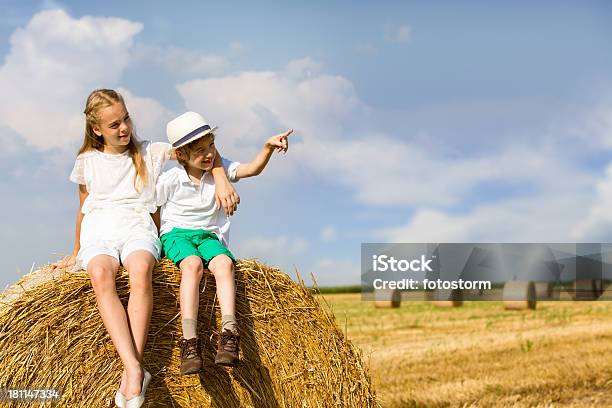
x,y
67,262
279,142
226,197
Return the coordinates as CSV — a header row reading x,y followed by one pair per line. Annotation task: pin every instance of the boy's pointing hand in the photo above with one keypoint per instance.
x,y
279,142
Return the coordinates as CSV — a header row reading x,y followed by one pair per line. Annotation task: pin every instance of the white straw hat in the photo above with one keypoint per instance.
x,y
187,128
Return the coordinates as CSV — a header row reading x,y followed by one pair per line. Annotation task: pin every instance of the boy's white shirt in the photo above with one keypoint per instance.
x,y
189,206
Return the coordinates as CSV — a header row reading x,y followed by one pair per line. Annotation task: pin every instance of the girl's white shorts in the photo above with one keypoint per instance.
x,y
117,233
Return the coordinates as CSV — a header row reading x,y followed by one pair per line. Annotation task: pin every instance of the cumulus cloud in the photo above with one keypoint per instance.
x,y
149,115
184,62
269,248
53,62
249,106
342,143
303,68
596,223
330,272
532,219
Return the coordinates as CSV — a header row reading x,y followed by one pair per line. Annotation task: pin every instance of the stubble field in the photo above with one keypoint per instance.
x,y
481,355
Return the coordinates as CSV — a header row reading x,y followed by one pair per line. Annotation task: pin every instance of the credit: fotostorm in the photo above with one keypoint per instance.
x,y
412,284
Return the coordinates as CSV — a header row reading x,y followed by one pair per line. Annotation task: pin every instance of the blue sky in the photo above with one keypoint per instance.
x,y
415,122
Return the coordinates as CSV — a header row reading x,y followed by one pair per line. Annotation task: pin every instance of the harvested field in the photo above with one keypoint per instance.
x,y
482,355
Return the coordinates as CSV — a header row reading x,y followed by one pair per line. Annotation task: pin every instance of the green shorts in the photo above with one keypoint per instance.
x,y
180,243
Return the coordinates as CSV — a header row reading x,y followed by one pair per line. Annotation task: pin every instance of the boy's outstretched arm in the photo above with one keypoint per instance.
x,y
225,194
279,142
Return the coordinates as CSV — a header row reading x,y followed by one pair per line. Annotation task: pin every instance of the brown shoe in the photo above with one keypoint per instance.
x,y
191,360
227,349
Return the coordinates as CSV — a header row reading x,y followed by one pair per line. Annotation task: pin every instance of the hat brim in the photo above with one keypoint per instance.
x,y
194,138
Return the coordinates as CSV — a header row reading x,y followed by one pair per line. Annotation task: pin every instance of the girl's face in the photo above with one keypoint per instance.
x,y
115,126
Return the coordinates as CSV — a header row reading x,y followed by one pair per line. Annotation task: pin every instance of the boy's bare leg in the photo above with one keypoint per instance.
x,y
102,271
222,268
192,270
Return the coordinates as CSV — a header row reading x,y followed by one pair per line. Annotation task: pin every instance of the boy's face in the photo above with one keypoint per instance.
x,y
203,154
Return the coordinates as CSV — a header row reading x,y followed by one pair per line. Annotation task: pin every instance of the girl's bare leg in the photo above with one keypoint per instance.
x,y
139,265
102,271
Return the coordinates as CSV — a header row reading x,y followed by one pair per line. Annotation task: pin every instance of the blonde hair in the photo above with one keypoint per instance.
x,y
96,101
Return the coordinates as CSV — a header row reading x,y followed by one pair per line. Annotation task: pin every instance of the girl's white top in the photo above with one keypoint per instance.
x,y
109,178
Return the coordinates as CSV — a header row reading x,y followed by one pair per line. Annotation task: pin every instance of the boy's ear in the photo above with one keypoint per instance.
x,y
180,155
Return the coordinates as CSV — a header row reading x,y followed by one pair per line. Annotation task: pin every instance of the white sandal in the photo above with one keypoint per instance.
x,y
137,401
119,397
120,400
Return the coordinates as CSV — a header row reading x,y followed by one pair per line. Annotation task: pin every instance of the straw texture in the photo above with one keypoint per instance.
x,y
292,352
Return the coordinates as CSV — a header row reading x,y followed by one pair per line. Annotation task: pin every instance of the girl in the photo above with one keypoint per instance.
x,y
116,175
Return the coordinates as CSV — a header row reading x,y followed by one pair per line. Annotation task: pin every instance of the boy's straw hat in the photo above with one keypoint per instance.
x,y
187,128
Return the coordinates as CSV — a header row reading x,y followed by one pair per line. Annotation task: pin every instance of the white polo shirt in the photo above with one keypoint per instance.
x,y
189,206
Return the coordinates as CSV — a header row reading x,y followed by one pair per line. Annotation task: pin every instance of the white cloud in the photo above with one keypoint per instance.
x,y
596,223
596,128
328,233
303,68
182,61
331,272
531,220
149,115
52,65
250,106
267,248
398,33
339,140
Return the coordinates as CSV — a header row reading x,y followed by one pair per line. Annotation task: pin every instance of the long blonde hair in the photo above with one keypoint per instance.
x,y
96,101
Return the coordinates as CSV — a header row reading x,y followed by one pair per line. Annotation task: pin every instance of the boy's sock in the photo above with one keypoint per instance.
x,y
229,322
190,328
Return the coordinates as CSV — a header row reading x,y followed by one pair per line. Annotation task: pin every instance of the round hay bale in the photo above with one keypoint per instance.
x,y
543,290
519,295
387,298
292,352
447,298
587,289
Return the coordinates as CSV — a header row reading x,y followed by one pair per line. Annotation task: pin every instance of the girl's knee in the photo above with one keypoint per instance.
x,y
140,275
102,278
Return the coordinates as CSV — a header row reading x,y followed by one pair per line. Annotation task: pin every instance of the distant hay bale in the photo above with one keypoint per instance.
x,y
543,290
447,298
293,354
587,289
519,295
387,298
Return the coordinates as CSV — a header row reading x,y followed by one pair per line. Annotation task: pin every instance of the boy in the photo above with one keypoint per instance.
x,y
195,232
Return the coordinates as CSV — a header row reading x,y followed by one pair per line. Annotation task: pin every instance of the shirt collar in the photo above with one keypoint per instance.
x,y
184,177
